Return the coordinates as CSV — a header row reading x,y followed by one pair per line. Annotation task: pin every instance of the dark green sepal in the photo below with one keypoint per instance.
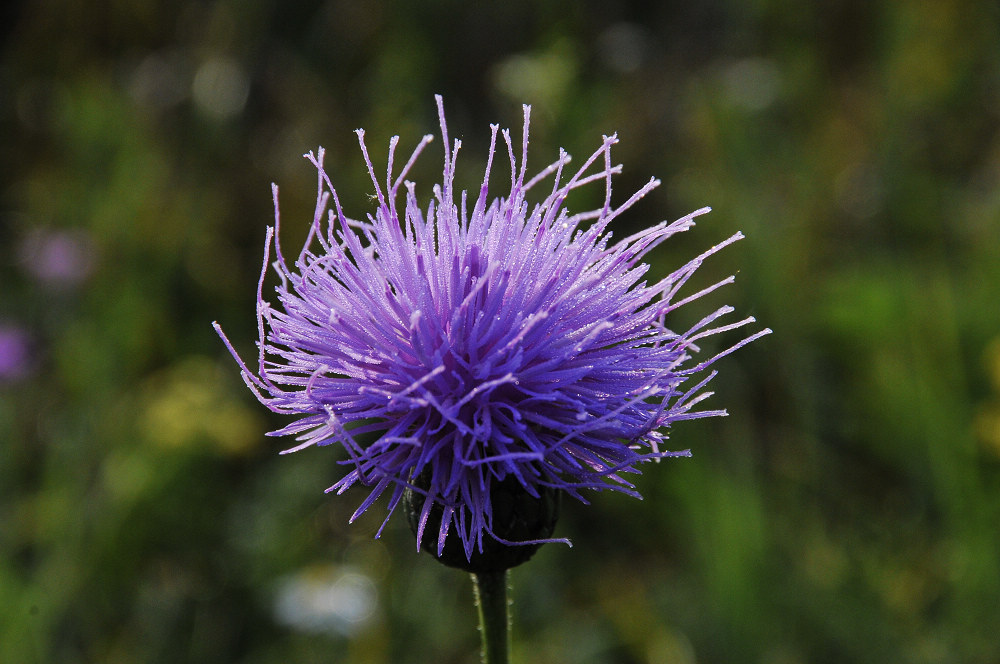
x,y
517,517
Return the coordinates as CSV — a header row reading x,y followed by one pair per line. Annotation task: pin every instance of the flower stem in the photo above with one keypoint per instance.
x,y
494,615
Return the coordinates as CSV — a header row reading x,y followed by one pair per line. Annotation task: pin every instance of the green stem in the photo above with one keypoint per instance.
x,y
494,615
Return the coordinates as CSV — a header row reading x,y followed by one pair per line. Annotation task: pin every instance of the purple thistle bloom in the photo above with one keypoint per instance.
x,y
470,344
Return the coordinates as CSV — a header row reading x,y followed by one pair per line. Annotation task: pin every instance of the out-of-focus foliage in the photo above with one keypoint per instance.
x,y
847,511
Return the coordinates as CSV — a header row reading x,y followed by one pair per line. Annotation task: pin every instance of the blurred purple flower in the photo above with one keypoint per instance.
x,y
64,257
472,345
15,353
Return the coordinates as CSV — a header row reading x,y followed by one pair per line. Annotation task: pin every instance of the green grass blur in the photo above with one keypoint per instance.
x,y
846,511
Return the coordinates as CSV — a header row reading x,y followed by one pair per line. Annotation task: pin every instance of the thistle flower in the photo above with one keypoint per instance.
x,y
481,342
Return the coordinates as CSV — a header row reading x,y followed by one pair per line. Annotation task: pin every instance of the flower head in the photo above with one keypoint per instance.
x,y
475,341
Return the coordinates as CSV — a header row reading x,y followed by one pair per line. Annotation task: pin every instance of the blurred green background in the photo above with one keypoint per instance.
x,y
846,511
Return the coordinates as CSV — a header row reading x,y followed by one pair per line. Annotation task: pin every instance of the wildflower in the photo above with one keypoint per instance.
x,y
481,343
58,258
15,353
